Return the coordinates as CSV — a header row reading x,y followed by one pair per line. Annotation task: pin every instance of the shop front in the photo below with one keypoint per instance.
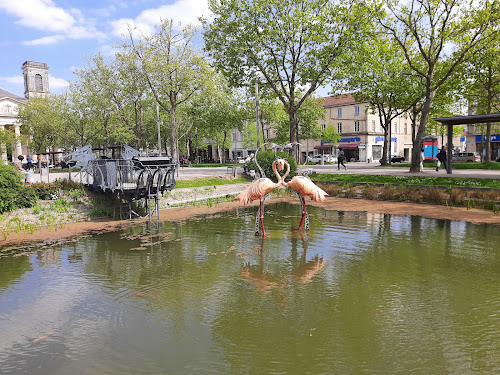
x,y
494,145
350,146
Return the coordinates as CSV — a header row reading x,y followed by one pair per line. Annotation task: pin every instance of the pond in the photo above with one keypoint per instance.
x,y
358,293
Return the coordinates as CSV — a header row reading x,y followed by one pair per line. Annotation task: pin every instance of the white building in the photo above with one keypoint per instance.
x,y
362,136
36,83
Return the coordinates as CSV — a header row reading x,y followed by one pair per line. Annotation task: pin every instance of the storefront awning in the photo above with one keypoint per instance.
x,y
348,145
323,147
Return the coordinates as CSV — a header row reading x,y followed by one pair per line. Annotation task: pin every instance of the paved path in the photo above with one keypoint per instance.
x,y
187,173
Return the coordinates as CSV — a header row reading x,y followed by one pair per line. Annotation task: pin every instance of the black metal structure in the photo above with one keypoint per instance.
x,y
462,120
133,179
130,174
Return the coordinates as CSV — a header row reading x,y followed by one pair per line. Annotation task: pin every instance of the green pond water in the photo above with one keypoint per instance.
x,y
357,294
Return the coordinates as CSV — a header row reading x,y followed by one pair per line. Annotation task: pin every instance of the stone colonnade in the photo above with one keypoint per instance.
x,y
17,149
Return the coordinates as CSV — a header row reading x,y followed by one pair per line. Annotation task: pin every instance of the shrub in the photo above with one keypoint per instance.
x,y
457,197
266,159
434,195
389,193
65,184
13,193
370,192
46,191
413,194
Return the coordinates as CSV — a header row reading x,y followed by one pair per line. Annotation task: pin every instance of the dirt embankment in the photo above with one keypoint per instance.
x,y
472,215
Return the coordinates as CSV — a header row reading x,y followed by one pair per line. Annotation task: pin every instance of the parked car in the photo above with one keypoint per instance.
x,y
467,157
397,159
317,158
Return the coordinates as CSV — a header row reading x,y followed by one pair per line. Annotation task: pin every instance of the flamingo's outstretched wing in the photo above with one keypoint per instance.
x,y
247,195
304,186
256,190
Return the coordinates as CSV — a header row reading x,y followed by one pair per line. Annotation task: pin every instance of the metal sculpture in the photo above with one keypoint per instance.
x,y
303,186
259,189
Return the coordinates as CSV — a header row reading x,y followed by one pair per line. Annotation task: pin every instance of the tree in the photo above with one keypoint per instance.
x,y
436,36
121,81
381,79
483,91
294,46
217,111
172,69
44,120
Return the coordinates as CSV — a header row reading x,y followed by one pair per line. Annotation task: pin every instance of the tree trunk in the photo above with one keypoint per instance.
x,y
293,132
418,143
173,135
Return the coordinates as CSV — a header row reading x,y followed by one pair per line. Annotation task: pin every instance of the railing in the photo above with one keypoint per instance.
x,y
131,177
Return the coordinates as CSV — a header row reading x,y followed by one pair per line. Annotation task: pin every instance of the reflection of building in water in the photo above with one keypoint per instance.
x,y
49,256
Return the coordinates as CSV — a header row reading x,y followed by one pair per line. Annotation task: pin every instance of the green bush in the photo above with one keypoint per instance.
x,y
266,159
46,191
13,192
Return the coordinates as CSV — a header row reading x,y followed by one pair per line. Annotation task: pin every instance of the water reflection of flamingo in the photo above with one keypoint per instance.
x,y
259,189
303,186
256,277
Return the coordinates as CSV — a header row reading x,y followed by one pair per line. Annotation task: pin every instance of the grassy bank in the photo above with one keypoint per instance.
x,y
409,180
489,166
209,181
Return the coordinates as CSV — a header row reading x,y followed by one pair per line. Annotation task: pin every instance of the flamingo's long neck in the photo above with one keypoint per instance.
x,y
276,172
286,173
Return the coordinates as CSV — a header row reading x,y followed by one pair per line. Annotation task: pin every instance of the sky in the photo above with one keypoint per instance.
x,y
64,33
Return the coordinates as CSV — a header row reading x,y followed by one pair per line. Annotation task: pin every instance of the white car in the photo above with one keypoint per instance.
x,y
327,158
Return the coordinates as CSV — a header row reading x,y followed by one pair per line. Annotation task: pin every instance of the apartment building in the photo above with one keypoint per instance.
x,y
362,136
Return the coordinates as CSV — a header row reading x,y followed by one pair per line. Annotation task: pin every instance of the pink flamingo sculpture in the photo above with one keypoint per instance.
x,y
259,189
303,186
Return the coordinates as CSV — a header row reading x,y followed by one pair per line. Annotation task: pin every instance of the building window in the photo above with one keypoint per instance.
x,y
323,127
395,127
356,110
406,128
38,82
339,112
381,129
267,134
356,126
339,127
373,125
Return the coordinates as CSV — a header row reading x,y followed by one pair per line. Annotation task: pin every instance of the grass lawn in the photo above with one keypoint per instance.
x,y
403,180
209,181
491,165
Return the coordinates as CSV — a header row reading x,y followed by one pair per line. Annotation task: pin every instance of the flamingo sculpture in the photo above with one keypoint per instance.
x,y
303,186
259,189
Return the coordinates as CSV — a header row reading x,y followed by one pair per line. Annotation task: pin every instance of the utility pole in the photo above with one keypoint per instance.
x,y
257,113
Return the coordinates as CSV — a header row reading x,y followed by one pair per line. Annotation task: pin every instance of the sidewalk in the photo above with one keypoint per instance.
x,y
189,173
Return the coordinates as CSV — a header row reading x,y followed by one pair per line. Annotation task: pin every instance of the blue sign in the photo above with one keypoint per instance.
x,y
493,138
344,140
381,139
352,139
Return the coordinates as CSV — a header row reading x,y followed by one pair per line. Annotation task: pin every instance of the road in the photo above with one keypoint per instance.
x,y
187,173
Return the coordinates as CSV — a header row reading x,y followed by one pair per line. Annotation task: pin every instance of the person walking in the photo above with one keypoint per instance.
x,y
441,156
422,156
340,159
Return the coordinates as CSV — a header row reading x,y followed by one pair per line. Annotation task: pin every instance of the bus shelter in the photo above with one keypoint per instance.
x,y
462,120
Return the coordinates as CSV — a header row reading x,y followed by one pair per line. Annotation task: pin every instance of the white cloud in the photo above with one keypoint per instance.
x,y
44,15
57,83
39,14
44,41
14,79
183,11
